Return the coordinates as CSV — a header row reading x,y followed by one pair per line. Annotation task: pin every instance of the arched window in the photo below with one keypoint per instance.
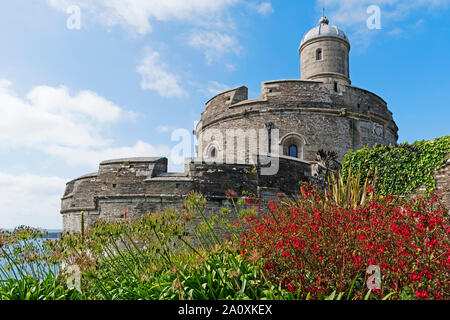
x,y
292,145
293,151
213,153
319,54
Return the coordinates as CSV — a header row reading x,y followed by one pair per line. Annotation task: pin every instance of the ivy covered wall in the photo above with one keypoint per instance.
x,y
402,169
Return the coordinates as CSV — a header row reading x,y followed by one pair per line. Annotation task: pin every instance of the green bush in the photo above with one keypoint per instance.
x,y
402,169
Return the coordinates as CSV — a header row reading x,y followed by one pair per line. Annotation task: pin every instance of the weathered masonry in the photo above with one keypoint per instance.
x,y
320,111
289,123
140,185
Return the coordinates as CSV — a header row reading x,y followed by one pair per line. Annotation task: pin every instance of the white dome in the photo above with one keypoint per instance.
x,y
324,30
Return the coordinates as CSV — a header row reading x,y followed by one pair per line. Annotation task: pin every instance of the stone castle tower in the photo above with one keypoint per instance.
x,y
322,110
324,53
238,137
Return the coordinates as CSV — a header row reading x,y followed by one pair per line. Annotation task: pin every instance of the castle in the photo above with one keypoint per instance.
x,y
264,146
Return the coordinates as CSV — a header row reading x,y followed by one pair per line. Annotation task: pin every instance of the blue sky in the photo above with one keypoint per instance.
x,y
138,69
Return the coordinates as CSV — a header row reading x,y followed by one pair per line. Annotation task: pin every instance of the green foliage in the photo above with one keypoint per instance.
x,y
347,193
401,169
25,274
170,256
30,288
149,259
222,276
19,234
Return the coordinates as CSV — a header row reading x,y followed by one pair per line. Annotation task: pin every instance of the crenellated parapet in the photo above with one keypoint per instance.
x,y
132,186
303,95
323,116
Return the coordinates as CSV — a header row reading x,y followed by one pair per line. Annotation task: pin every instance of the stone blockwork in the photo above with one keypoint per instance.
x,y
334,63
310,111
141,185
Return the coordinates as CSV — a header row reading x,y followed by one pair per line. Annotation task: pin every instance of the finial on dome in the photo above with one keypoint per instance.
x,y
324,19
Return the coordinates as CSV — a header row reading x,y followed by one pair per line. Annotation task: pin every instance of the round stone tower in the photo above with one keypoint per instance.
x,y
297,118
324,52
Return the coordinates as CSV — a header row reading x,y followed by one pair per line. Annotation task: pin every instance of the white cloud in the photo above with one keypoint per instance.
x,y
265,8
51,116
210,88
30,200
213,19
164,129
215,87
396,32
353,12
156,77
70,127
65,126
137,15
214,44
92,157
351,15
230,67
420,22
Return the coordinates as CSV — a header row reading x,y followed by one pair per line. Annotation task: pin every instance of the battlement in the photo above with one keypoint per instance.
x,y
139,167
301,95
119,187
229,97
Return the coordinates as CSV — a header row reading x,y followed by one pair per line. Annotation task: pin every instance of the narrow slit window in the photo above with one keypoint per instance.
x,y
319,54
335,87
213,153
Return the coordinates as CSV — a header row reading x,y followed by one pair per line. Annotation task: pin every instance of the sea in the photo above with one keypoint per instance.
x,y
51,234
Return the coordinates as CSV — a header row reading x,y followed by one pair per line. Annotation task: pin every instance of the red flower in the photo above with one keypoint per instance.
x,y
408,241
290,287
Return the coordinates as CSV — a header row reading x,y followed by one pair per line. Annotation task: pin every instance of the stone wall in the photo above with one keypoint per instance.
x,y
311,111
142,185
334,63
121,185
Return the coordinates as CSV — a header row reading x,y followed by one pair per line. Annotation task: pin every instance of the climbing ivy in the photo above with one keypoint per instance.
x,y
401,169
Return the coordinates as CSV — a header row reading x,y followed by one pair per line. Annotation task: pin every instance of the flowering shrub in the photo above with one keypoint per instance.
x,y
314,247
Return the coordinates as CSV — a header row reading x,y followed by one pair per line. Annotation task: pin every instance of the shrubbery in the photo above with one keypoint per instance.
x,y
401,169
315,246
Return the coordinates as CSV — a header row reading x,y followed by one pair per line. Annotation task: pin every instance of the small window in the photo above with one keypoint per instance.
x,y
335,87
319,54
213,153
293,151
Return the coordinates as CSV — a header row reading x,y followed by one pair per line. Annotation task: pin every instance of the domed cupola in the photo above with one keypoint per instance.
x,y
324,30
324,52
